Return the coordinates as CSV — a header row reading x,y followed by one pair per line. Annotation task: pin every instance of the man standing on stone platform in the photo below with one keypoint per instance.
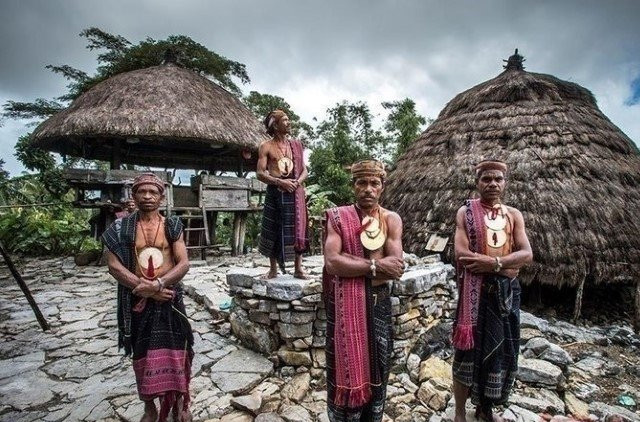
x,y
362,252
491,246
148,257
281,166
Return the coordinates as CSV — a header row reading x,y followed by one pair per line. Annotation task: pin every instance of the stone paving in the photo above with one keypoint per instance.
x,y
74,372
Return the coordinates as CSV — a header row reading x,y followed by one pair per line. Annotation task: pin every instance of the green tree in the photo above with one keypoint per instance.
x,y
56,228
403,124
119,55
116,55
346,136
4,183
262,104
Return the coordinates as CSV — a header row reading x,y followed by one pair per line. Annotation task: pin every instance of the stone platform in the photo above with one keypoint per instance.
x,y
284,317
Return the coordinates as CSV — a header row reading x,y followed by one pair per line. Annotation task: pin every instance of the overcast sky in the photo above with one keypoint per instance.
x,y
317,53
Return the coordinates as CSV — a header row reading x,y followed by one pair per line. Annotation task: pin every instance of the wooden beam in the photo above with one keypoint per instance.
x,y
235,239
25,289
636,321
116,158
577,309
243,232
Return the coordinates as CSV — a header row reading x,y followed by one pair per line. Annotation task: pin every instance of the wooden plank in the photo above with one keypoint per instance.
x,y
92,176
205,226
235,239
636,320
25,289
210,181
242,233
227,198
226,182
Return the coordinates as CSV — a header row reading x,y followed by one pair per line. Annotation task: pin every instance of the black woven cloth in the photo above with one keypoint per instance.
x,y
489,369
380,329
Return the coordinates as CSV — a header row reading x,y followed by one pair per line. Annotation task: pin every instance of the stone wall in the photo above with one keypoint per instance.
x,y
284,318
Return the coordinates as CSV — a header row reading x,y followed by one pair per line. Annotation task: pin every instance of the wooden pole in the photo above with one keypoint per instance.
x,y
213,223
636,321
116,156
23,286
235,240
243,232
578,304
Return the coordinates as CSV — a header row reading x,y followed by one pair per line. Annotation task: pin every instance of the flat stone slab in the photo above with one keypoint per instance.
x,y
240,371
283,287
540,372
243,277
208,294
421,280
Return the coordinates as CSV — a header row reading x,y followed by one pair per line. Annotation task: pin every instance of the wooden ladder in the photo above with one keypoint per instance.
x,y
196,236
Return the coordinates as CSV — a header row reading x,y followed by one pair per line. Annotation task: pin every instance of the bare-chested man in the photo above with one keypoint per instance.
x,y
362,253
148,257
491,246
284,220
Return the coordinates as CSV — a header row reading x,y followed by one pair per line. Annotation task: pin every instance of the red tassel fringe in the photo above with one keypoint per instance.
x,y
463,337
353,398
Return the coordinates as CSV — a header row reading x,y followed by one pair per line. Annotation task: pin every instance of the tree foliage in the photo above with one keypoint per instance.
x,y
117,55
262,104
54,229
403,124
346,136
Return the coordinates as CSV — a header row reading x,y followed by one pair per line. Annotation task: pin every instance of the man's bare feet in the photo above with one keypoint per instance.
x,y
271,274
492,417
185,416
179,413
150,412
301,275
460,418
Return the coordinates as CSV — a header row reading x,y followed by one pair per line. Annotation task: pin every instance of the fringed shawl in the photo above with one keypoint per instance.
x,y
352,366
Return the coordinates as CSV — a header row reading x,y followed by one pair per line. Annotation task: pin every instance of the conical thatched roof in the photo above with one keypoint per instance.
x,y
164,116
573,174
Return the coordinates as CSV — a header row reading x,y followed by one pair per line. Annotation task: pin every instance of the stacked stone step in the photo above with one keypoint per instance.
x,y
285,317
282,317
420,299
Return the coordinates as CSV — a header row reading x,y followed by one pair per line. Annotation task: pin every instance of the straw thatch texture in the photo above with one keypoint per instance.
x,y
171,116
573,174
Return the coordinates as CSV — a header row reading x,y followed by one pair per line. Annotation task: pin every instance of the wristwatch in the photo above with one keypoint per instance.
x,y
372,268
498,265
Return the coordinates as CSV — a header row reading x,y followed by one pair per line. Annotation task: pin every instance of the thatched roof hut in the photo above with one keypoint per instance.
x,y
163,116
573,174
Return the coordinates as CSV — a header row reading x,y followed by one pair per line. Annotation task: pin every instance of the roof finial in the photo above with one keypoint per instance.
x,y
170,56
515,62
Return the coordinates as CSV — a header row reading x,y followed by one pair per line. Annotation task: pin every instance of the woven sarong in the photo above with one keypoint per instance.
x,y
489,369
284,218
380,334
159,334
277,237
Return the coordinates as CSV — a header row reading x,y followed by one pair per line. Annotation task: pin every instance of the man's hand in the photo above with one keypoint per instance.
x,y
163,295
146,288
478,264
288,185
391,266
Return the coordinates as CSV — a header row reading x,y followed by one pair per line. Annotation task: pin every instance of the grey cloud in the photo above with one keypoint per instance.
x,y
455,44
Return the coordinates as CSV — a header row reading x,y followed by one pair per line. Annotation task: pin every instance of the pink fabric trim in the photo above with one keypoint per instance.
x,y
353,374
469,284
300,244
161,371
